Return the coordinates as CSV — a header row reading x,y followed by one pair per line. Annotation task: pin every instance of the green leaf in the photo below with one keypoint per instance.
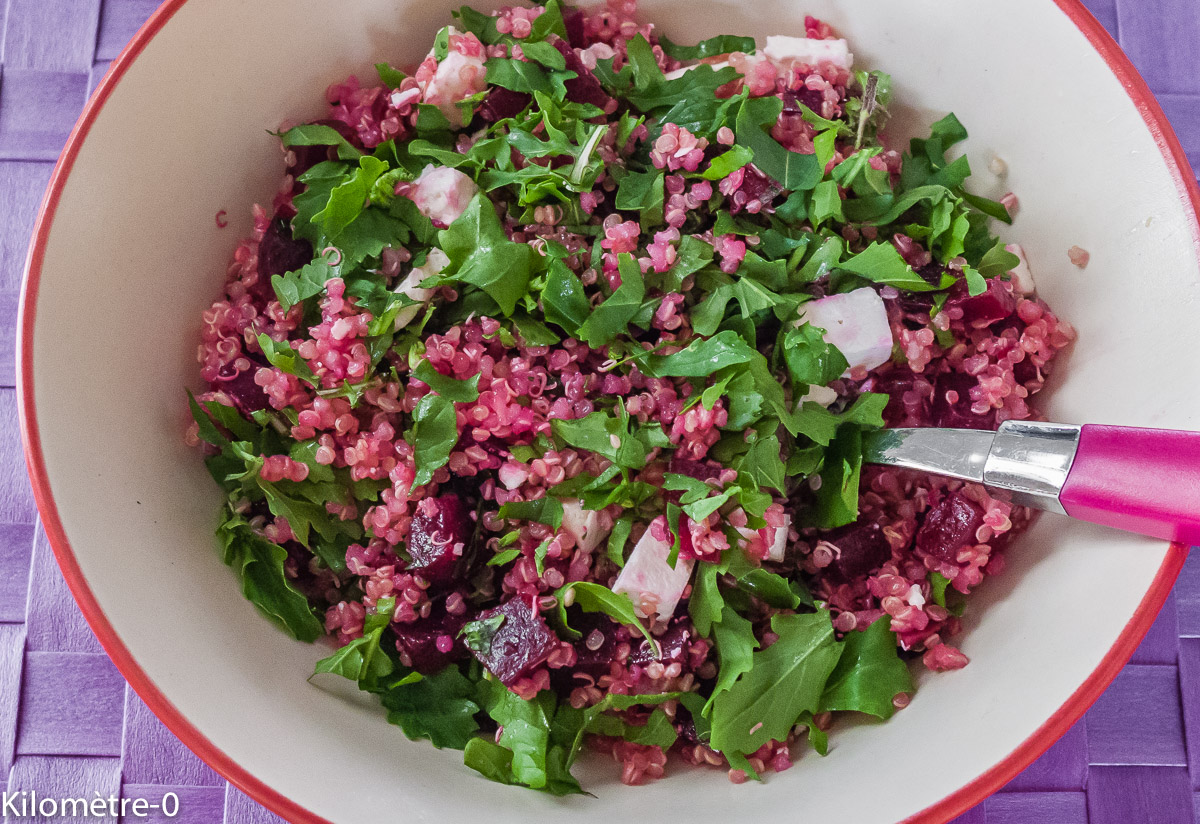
x,y
937,588
642,192
976,284
712,47
826,203
658,731
563,299
439,707
550,21
617,538
869,674
258,563
881,263
477,635
810,360
612,317
764,465
591,597
348,199
705,605
837,498
700,358
525,728
481,254
307,281
504,557
433,436
727,163
490,760
735,642
785,680
284,358
392,78
544,53
452,389
545,510
998,261
519,75
362,660
312,134
792,170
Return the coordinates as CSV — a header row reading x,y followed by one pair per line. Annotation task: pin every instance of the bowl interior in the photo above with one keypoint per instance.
x,y
133,256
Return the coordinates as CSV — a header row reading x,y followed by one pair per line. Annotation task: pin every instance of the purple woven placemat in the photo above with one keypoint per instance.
x,y
70,726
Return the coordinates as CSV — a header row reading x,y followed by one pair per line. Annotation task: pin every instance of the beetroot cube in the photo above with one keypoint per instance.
x,y
247,395
949,526
602,633
958,415
994,304
278,252
438,538
502,103
700,470
861,549
584,87
429,644
521,643
673,646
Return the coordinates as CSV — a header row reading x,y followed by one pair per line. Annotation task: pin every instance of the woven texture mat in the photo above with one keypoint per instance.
x,y
70,726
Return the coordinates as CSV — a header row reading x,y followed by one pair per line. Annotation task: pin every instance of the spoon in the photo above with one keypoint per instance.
x,y
1140,480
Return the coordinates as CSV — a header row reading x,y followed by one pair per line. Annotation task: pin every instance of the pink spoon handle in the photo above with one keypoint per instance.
x,y
1140,480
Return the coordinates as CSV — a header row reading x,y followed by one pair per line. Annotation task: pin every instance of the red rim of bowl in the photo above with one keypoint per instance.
x,y
957,802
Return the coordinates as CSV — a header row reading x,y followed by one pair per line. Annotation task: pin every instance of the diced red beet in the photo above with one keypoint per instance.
x,y
861,549
958,415
584,87
278,252
247,395
602,632
521,643
309,156
894,384
685,725
815,100
418,642
437,542
949,525
501,103
757,186
997,303
573,20
931,273
700,470
673,646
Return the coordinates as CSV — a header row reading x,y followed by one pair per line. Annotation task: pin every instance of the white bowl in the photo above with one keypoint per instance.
x,y
127,254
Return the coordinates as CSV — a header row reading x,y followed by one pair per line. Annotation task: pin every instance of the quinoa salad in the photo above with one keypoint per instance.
x,y
539,392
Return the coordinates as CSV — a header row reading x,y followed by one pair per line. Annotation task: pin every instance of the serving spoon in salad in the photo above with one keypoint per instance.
x,y
1140,480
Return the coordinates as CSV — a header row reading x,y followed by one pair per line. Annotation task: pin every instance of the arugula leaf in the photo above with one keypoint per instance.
x,y
544,53
519,75
563,299
642,192
810,360
998,261
313,134
259,565
642,84
433,435
452,389
937,588
545,510
440,707
362,660
549,22
881,263
481,254
700,358
869,674
477,635
591,597
348,199
727,163
713,46
611,317
658,731
284,358
837,497
762,464
504,557
388,76
525,728
307,281
792,170
784,681
735,642
617,538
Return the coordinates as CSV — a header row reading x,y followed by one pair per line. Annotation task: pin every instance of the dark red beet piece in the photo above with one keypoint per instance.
x,y
949,526
815,100
520,644
997,303
894,384
247,395
584,87
861,549
700,470
595,662
278,252
573,20
931,273
673,646
501,103
437,542
418,642
958,415
757,186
